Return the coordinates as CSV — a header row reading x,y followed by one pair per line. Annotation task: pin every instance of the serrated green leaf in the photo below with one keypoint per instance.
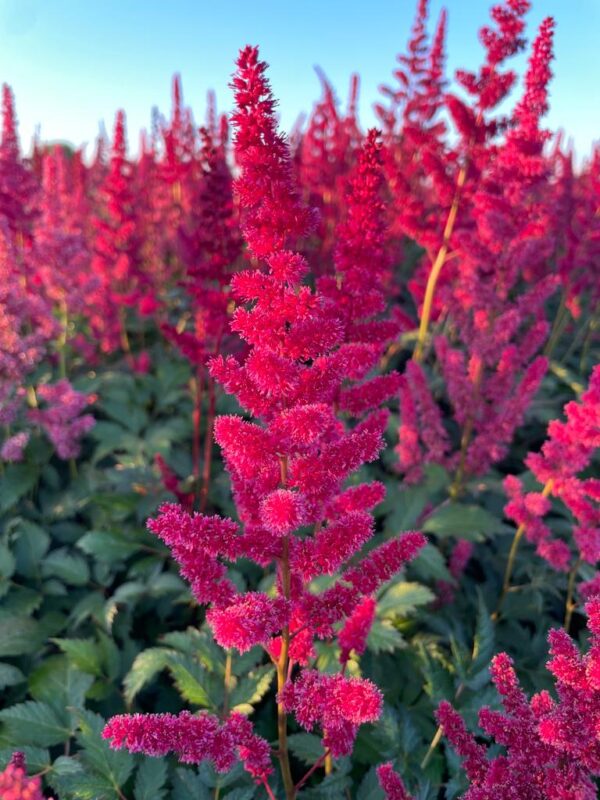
x,y
70,567
59,684
37,758
306,747
30,548
430,565
70,779
253,688
19,634
34,723
187,785
107,546
464,521
10,675
146,666
150,779
194,683
402,599
114,765
369,788
16,481
384,638
484,639
82,653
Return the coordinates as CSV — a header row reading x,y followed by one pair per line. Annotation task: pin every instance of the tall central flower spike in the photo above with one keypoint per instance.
x,y
289,465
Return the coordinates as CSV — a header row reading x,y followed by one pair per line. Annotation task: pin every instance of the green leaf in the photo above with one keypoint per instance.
x,y
36,758
82,653
33,723
187,785
384,638
483,641
107,546
306,747
59,684
252,689
145,667
194,683
71,779
16,481
430,565
18,634
70,567
403,599
30,548
150,779
369,788
10,676
463,521
114,765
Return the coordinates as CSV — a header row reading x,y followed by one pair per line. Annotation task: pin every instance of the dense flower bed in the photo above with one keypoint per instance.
x,y
299,446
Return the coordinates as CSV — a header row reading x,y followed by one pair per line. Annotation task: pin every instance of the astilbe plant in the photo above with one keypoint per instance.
x,y
495,320
560,469
288,468
551,748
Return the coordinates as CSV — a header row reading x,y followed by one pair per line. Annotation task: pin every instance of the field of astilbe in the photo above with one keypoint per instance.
x,y
299,446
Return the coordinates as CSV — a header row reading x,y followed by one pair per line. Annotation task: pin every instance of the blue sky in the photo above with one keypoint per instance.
x,y
72,63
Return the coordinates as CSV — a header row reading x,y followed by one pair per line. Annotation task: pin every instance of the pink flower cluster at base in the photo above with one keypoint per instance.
x,y
551,745
16,785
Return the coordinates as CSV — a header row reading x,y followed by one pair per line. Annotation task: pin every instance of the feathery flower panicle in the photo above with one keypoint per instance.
x,y
354,633
336,704
289,464
391,783
551,746
61,419
193,738
568,450
324,157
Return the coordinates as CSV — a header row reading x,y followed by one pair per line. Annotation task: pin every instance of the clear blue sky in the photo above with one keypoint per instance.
x,y
72,63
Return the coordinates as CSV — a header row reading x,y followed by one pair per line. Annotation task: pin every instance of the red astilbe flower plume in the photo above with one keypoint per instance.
x,y
324,157
18,186
272,213
569,449
288,465
391,783
551,746
194,738
118,252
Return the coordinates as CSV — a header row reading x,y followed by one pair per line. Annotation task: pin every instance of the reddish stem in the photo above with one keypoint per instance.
x,y
318,763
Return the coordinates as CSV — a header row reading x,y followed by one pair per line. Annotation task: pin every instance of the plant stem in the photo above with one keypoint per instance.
x,y
437,738
319,762
227,684
512,556
437,267
282,663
